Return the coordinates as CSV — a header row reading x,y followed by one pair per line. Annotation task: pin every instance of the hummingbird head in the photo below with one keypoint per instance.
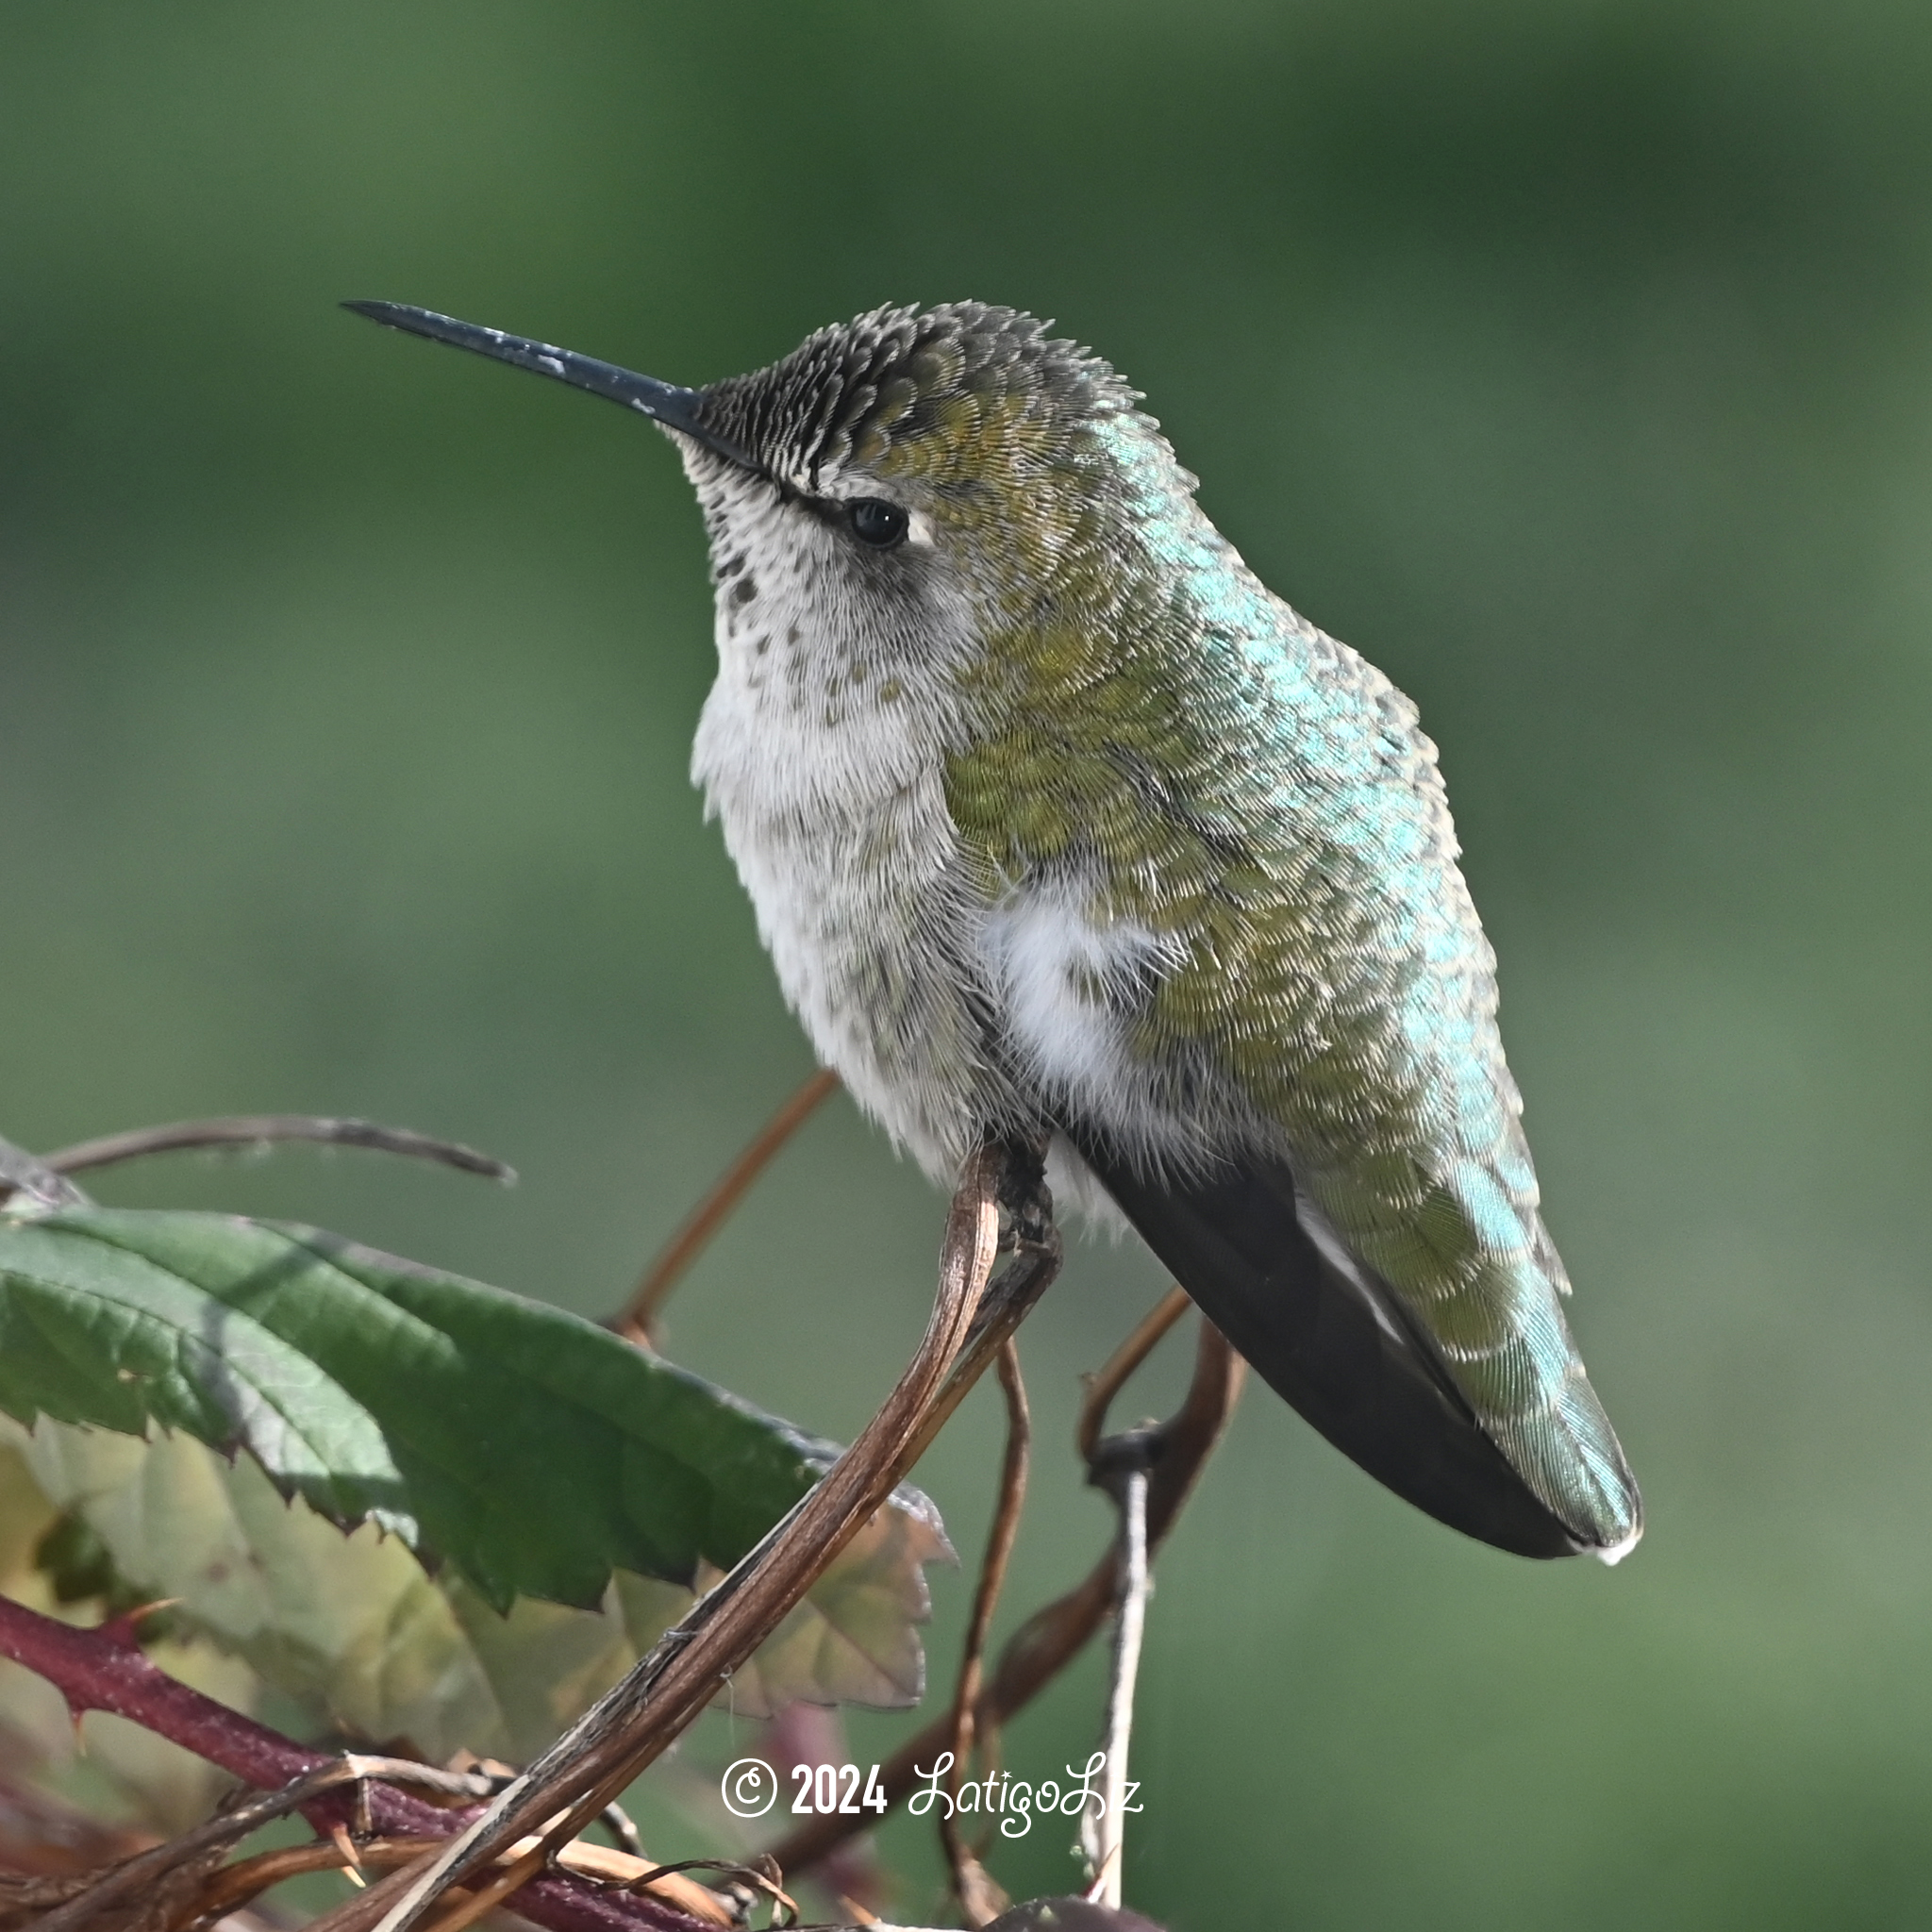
x,y
950,415
913,489
904,499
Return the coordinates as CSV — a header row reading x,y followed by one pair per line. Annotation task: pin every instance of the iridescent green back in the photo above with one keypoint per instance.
x,y
1145,715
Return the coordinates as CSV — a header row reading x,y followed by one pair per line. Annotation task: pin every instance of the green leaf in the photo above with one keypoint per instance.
x,y
372,1646
528,1448
350,1627
121,1771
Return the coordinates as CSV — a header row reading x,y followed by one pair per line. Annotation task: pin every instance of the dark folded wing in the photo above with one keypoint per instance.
x,y
1334,1345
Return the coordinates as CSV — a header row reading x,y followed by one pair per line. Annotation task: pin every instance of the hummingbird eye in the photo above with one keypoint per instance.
x,y
876,522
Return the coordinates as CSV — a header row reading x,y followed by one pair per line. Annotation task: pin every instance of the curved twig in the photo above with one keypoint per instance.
x,y
1102,1388
234,1885
1054,1636
94,1672
755,1876
226,1827
615,1819
639,1318
461,1912
359,1913
633,1723
260,1129
979,1898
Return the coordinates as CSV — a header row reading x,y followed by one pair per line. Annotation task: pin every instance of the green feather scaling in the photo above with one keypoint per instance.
x,y
1120,710
989,681
1262,798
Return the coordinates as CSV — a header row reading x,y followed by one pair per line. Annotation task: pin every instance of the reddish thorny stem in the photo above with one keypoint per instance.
x,y
93,1672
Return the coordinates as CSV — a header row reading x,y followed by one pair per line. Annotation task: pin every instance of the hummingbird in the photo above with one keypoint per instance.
x,y
1058,822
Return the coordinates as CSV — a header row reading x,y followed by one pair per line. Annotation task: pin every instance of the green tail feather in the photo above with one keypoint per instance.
x,y
1540,1473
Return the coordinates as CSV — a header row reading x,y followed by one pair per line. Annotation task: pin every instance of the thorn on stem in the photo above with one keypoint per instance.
x,y
124,1632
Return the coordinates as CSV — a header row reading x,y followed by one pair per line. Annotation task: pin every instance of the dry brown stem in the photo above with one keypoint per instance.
x,y
262,1129
981,1898
594,1761
94,1671
248,1878
459,1911
638,1320
146,1870
1054,1636
360,1913
1102,1388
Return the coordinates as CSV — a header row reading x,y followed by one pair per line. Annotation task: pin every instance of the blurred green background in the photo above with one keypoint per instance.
x,y
1574,360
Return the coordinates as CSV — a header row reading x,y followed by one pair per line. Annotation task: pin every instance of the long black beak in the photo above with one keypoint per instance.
x,y
663,402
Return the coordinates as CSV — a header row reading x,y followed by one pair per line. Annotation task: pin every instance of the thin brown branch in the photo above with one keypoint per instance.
x,y
1006,1305
248,1878
1100,1389
360,1913
637,1873
594,1761
94,1672
25,1898
756,1878
460,1912
1054,1636
262,1129
981,1900
1015,1466
147,1868
638,1319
